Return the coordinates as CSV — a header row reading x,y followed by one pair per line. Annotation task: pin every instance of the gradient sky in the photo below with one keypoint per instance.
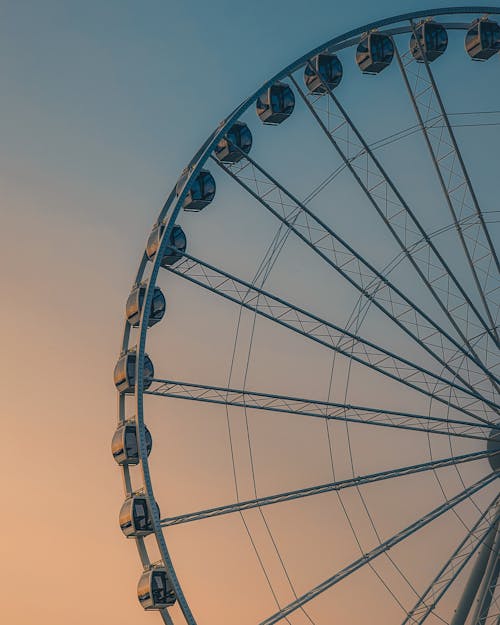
x,y
102,104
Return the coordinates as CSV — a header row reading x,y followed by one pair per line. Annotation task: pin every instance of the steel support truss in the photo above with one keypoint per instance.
x,y
346,413
336,338
481,533
372,284
384,547
301,493
454,179
400,220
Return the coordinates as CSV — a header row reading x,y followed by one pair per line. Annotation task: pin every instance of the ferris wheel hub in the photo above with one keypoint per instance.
x,y
494,445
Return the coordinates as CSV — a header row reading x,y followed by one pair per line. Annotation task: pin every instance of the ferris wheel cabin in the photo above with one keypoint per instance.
x,y
237,142
276,104
177,244
135,303
201,193
483,39
374,53
124,374
154,590
323,69
135,519
428,42
125,445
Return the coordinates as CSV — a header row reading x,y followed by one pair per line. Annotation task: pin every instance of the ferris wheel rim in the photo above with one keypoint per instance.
x,y
173,206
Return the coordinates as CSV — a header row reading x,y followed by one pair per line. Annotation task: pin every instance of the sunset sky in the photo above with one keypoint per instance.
x,y
102,105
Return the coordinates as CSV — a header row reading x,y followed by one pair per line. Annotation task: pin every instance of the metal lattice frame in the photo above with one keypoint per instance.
x,y
467,383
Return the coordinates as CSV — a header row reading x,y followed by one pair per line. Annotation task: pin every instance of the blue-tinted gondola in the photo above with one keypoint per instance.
x,y
177,244
323,69
201,193
433,40
276,104
483,39
374,53
237,142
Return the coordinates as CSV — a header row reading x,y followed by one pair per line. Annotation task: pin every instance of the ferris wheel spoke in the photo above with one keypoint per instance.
x,y
346,413
396,214
326,488
473,540
453,176
334,337
384,547
371,283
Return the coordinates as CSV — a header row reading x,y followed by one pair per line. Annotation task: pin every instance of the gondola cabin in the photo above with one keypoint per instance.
x,y
276,104
323,69
177,244
428,42
135,303
374,53
482,40
237,142
125,445
201,192
135,519
125,372
154,590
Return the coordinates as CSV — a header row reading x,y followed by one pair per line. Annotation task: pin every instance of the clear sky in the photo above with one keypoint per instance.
x,y
101,106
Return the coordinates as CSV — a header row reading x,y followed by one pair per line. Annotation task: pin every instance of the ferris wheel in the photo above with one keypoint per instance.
x,y
311,341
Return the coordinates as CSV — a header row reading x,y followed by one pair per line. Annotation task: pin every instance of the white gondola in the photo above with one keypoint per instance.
x,y
124,374
154,590
135,518
125,446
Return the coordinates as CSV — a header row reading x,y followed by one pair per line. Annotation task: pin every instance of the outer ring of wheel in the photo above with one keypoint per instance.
x,y
168,215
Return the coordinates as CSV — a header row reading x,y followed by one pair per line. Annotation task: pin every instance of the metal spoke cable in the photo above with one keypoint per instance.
x,y
320,489
395,212
328,410
447,575
337,253
379,550
452,174
327,334
264,269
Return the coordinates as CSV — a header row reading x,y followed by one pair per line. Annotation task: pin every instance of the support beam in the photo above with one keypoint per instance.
x,y
373,285
430,598
346,413
475,578
453,177
377,551
301,493
334,337
399,218
487,589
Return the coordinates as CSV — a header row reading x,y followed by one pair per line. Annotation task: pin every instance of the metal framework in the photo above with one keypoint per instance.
x,y
459,338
